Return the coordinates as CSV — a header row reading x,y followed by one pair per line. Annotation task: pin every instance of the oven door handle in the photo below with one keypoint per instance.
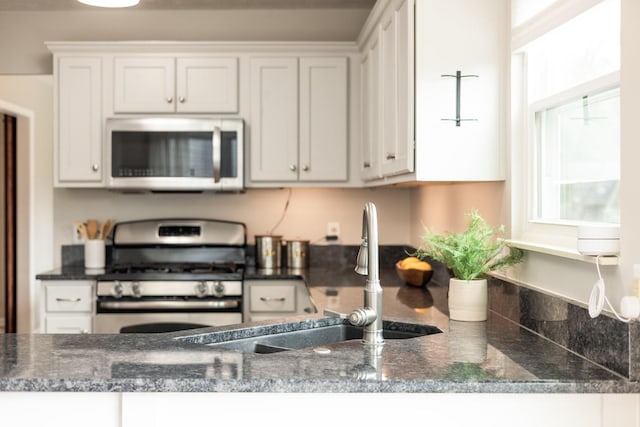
x,y
216,153
169,305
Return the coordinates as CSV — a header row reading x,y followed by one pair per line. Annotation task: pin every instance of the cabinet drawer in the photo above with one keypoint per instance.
x,y
76,324
273,298
68,298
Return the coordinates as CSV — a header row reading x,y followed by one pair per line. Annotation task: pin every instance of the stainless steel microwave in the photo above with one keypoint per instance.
x,y
175,154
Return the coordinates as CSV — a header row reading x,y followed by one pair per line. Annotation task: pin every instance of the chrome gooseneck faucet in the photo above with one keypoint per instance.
x,y
367,264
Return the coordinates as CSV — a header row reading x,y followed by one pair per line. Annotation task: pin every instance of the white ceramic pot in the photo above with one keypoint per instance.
x,y
468,300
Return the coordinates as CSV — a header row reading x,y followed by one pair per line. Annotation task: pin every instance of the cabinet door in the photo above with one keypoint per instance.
x,y
67,306
396,86
207,85
370,112
323,119
273,298
144,85
476,40
68,324
79,119
274,119
67,298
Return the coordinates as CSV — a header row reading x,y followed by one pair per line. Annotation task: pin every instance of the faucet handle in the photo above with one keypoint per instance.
x,y
333,313
362,316
358,317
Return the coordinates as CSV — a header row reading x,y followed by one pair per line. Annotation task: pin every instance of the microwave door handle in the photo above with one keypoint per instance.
x,y
217,148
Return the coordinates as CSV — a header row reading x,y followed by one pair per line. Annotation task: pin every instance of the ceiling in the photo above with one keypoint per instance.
x,y
42,5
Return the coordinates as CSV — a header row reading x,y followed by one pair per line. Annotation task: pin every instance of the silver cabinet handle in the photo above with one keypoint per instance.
x,y
217,148
391,156
95,167
182,99
367,165
68,299
169,100
273,299
293,168
305,168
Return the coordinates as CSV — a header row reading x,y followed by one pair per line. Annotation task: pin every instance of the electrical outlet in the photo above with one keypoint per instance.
x,y
333,230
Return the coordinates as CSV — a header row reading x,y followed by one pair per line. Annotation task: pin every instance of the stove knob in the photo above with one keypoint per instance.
x,y
117,290
218,289
201,290
136,290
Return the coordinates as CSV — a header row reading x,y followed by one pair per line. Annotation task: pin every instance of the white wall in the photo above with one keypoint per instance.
x,y
306,218
443,206
22,34
31,99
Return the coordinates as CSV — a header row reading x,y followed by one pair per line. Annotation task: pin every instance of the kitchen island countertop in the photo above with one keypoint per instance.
x,y
497,356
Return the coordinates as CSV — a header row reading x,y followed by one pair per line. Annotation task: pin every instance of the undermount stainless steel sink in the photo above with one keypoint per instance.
x,y
298,335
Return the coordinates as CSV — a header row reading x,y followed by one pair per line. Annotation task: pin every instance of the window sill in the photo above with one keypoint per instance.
x,y
563,252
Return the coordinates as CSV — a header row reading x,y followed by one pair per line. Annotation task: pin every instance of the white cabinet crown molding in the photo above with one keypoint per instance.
x,y
204,47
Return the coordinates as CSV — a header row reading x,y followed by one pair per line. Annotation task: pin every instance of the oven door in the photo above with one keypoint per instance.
x,y
116,323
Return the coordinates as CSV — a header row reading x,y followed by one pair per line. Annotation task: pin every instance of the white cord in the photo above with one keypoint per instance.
x,y
598,297
284,212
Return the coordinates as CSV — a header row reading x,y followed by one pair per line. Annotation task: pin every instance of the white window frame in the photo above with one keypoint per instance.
x,y
544,236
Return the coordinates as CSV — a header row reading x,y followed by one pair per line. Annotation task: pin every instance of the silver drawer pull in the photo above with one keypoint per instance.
x,y
68,299
391,156
271,299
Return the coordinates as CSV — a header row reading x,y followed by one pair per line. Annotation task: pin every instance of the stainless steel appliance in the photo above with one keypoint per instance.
x,y
172,274
175,154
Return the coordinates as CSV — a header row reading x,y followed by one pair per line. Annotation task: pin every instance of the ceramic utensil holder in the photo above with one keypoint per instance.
x,y
94,253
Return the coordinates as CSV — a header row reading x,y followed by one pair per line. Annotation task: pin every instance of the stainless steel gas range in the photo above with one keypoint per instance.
x,y
172,274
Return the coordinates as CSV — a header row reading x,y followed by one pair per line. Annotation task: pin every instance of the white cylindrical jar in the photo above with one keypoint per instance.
x,y
94,254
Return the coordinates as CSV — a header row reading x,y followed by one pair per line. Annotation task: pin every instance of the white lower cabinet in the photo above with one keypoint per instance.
x,y
56,409
379,409
67,307
382,409
272,299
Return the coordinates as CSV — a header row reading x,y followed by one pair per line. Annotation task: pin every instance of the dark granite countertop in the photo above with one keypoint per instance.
x,y
497,356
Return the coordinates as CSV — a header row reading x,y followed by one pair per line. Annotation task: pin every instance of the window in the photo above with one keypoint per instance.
x,y
570,103
577,167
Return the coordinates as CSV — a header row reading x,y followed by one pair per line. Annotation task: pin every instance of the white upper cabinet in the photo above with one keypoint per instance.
x,y
417,122
299,129
396,88
168,84
296,100
370,112
323,119
274,119
469,37
78,136
386,94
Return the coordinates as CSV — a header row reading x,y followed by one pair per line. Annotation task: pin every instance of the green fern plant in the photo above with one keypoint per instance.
x,y
473,253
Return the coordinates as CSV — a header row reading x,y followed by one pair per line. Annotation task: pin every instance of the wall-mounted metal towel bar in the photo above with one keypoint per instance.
x,y
459,76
